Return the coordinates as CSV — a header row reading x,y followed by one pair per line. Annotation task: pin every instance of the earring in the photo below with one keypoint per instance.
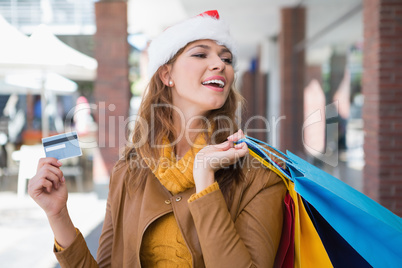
x,y
170,83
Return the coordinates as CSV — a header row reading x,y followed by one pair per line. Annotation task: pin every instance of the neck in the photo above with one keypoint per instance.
x,y
187,125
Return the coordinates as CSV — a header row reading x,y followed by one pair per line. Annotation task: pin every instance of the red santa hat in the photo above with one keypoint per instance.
x,y
206,25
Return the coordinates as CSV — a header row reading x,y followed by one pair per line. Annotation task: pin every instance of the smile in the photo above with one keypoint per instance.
x,y
215,82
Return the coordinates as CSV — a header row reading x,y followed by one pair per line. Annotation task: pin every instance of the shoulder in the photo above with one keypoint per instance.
x,y
121,167
117,176
119,170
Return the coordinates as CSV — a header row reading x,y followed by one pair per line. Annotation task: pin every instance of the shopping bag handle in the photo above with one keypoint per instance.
x,y
265,154
284,157
270,146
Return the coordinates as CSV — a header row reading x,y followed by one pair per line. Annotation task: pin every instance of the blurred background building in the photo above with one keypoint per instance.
x,y
322,79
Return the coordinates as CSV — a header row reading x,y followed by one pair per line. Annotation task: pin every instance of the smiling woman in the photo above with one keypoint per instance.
x,y
199,200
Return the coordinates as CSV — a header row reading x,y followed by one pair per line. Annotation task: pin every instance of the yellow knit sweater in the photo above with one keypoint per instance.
x,y
163,244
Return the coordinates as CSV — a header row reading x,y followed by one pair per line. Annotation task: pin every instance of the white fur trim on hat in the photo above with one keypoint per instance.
x,y
167,44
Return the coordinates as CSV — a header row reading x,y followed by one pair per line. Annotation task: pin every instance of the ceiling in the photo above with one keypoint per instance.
x,y
253,22
331,24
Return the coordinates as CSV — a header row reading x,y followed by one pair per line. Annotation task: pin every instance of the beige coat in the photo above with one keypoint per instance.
x,y
245,233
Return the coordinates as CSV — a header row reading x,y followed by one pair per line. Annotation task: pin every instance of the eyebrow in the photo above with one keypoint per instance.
x,y
202,46
223,50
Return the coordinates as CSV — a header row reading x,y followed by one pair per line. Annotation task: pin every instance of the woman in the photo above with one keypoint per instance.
x,y
185,193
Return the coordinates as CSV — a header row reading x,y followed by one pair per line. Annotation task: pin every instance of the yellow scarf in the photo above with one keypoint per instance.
x,y
163,243
177,176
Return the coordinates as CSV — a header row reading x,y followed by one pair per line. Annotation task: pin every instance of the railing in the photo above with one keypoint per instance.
x,y
77,15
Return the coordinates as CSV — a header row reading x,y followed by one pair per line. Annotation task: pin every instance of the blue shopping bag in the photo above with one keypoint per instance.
x,y
371,230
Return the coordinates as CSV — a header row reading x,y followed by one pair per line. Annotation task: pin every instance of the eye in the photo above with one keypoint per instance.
x,y
200,55
227,60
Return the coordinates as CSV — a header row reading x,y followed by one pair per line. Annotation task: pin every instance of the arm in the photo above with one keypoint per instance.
x,y
250,241
78,255
104,253
253,238
49,191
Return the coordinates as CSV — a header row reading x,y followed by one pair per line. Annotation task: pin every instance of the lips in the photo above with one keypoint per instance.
x,y
218,82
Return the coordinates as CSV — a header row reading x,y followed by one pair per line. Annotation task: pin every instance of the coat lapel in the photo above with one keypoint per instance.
x,y
186,224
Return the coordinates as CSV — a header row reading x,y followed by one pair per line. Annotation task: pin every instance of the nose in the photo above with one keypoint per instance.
x,y
217,64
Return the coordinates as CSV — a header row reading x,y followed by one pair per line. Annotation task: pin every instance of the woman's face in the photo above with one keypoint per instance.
x,y
202,75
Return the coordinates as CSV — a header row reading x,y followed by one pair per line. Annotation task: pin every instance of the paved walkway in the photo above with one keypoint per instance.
x,y
26,239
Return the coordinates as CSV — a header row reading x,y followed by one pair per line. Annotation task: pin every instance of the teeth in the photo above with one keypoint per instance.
x,y
219,82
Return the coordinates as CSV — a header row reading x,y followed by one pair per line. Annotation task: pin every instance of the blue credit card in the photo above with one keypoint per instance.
x,y
62,146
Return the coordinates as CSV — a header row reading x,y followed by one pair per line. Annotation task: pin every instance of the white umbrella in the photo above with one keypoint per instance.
x,y
55,55
12,42
34,82
44,51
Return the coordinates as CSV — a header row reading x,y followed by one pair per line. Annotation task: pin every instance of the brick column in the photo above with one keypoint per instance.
x,y
382,111
292,66
254,91
260,99
247,88
112,90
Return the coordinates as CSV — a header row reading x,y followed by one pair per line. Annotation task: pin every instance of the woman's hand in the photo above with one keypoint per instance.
x,y
214,157
48,187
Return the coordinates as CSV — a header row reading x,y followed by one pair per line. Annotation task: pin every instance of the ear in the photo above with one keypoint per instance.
x,y
164,74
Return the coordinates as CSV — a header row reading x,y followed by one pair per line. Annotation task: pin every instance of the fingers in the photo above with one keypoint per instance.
x,y
223,146
54,174
237,136
241,147
49,169
222,155
49,160
230,143
46,184
37,185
